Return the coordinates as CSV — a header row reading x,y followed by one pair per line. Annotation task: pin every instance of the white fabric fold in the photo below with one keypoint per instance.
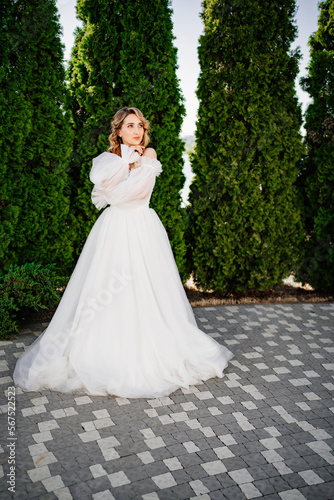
x,y
128,154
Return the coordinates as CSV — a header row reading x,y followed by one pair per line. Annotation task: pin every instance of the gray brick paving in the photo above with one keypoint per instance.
x,y
266,430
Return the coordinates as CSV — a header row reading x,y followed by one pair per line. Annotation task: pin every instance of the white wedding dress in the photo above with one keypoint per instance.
x,y
124,326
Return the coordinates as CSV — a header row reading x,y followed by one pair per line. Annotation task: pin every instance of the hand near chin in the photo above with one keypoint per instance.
x,y
138,149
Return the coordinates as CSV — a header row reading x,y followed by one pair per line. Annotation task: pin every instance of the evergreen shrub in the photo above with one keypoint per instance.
x,y
24,289
35,137
124,56
316,181
244,217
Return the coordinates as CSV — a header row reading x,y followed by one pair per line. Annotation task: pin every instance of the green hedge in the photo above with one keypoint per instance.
x,y
26,288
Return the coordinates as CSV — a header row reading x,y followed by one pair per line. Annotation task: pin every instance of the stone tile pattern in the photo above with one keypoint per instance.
x,y
265,430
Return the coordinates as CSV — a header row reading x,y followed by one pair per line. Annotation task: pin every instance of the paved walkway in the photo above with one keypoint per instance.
x,y
265,430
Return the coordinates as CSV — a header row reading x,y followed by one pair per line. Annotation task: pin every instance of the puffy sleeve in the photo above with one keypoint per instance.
x,y
107,172
107,166
151,163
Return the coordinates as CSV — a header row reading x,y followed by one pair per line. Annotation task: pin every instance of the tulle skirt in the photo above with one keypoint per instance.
x,y
124,326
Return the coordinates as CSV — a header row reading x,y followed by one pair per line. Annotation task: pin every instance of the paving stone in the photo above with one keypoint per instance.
x,y
294,480
291,495
144,486
234,463
189,459
326,473
278,483
207,455
264,486
48,496
213,483
70,477
315,461
181,476
165,494
79,490
196,472
161,453
182,491
254,459
270,470
156,468
266,428
288,453
238,449
164,480
234,493
326,489
35,489
213,468
98,484
216,495
297,464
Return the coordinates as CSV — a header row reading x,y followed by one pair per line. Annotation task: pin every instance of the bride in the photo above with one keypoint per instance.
x,y
124,326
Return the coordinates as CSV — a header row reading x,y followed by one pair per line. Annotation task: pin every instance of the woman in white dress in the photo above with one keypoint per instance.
x,y
124,326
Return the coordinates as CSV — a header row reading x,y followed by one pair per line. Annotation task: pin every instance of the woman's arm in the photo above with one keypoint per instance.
x,y
115,186
108,166
107,172
139,184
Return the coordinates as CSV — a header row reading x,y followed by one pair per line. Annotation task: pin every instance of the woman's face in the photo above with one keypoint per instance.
x,y
131,131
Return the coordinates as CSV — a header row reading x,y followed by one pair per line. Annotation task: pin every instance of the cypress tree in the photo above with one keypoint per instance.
x,y
124,56
8,88
317,175
35,137
245,227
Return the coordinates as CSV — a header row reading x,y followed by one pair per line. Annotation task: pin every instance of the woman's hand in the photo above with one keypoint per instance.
x,y
138,149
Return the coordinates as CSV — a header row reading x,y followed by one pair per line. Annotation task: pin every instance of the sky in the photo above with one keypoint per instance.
x,y
187,29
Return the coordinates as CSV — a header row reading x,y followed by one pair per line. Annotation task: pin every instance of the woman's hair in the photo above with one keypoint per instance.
x,y
116,124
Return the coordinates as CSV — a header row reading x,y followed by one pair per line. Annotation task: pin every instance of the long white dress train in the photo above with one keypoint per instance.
x,y
124,325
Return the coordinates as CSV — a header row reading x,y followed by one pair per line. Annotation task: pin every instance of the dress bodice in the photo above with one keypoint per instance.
x,y
116,185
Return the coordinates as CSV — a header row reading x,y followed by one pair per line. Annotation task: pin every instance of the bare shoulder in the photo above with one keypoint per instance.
x,y
150,152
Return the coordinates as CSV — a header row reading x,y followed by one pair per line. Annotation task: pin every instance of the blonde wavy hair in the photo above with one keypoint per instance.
x,y
117,122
